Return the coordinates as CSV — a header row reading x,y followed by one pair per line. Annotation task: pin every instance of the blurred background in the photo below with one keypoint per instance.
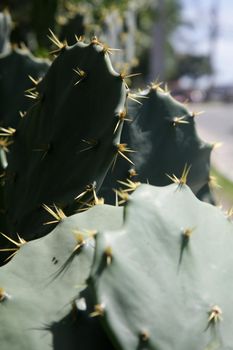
x,y
186,44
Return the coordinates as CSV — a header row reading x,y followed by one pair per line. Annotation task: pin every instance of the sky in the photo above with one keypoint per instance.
x,y
196,37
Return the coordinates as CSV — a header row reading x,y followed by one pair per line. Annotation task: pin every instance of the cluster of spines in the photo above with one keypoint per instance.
x,y
122,116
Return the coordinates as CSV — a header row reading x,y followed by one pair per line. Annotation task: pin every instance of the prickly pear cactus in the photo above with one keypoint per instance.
x,y
16,68
164,279
67,141
39,286
163,135
158,276
167,137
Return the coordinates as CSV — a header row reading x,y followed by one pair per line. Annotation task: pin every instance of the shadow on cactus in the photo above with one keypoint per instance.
x,y
67,141
163,135
153,291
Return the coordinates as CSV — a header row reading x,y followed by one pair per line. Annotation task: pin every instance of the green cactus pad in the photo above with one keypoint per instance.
x,y
38,285
68,140
164,280
163,134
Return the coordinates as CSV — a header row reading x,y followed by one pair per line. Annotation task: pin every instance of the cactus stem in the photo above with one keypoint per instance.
x,y
58,214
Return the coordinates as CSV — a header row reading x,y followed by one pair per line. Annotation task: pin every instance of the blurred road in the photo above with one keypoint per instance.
x,y
216,125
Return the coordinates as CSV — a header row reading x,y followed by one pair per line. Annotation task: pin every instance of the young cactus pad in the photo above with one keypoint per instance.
x,y
68,140
163,134
164,280
39,285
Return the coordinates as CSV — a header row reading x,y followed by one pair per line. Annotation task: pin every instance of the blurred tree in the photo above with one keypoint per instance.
x,y
135,28
32,16
167,18
157,20
20,12
192,66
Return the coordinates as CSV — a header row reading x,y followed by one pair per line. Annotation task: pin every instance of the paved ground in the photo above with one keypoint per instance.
x,y
216,125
